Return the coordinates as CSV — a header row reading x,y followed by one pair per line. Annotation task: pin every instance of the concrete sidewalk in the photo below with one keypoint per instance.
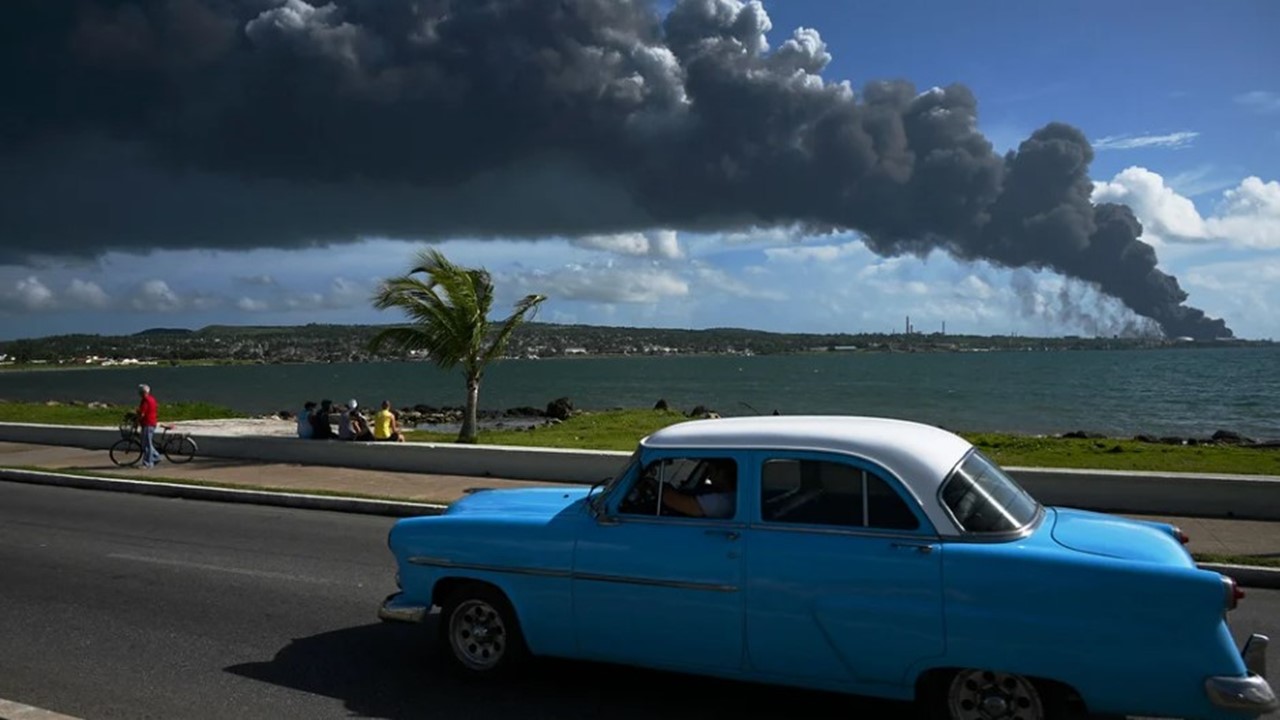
x,y
1216,536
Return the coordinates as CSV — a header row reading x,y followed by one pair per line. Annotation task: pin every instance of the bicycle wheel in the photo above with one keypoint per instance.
x,y
126,452
180,449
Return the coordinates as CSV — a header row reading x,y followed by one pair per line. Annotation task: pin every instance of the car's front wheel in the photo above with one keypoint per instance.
x,y
479,632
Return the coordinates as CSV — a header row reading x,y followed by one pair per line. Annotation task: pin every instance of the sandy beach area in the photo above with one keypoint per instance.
x,y
237,427
275,427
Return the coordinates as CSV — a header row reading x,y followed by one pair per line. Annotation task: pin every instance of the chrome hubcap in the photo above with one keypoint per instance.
x,y
984,695
478,637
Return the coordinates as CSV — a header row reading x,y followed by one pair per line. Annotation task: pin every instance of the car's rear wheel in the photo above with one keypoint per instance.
x,y
987,695
479,632
971,694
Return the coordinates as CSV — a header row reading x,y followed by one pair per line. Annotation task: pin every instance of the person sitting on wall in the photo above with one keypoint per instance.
x,y
353,425
320,427
305,429
386,427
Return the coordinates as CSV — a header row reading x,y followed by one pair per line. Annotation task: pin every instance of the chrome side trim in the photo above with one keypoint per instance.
x,y
447,563
654,582
857,532
677,521
590,577
1250,694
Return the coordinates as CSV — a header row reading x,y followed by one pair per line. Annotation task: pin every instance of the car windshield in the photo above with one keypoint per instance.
x,y
983,499
598,500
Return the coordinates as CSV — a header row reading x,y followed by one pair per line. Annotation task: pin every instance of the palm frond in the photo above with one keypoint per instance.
x,y
448,306
527,306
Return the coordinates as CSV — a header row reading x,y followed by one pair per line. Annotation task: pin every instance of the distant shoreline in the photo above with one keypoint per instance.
x,y
57,366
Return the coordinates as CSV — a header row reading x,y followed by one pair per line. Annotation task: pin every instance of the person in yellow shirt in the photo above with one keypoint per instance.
x,y
385,425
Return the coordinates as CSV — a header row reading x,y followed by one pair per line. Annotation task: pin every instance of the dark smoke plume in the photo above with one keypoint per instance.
x,y
131,125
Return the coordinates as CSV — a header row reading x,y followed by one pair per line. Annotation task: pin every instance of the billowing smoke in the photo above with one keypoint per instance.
x,y
130,125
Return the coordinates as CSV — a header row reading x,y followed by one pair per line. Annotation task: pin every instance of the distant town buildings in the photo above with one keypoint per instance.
x,y
531,341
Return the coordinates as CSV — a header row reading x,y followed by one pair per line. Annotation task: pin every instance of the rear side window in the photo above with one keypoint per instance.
x,y
820,492
983,499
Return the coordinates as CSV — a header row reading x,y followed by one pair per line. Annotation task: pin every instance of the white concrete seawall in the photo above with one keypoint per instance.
x,y
1189,494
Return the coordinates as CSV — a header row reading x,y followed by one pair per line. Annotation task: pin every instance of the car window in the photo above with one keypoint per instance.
x,y
983,499
704,487
820,492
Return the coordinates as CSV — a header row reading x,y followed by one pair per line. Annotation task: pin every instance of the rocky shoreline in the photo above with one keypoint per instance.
x,y
449,418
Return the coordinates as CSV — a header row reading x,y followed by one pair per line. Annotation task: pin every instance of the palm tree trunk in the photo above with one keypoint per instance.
x,y
469,429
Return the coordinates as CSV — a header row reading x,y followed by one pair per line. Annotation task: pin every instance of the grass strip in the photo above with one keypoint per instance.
x,y
1267,561
106,415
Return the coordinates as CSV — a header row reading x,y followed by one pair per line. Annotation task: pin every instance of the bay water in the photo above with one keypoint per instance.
x,y
1188,392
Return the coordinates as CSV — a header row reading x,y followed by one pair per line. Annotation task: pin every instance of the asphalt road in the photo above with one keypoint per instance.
x,y
124,606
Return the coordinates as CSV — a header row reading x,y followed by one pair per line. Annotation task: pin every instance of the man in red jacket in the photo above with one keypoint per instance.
x,y
148,410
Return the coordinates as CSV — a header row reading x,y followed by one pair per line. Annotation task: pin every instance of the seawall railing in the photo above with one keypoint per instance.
x,y
1154,493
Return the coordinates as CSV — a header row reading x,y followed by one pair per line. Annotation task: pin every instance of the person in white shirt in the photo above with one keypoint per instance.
x,y
718,500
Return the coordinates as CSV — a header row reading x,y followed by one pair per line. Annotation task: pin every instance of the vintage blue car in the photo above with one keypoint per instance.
x,y
864,555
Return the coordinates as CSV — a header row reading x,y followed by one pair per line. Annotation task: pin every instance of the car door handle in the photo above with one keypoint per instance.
x,y
727,534
922,548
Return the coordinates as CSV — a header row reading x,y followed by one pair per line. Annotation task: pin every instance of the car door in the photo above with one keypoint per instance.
x,y
844,573
651,588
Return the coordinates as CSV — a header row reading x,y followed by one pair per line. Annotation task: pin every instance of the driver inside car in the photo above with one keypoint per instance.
x,y
718,496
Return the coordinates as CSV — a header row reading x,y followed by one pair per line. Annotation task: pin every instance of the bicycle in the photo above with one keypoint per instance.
x,y
127,451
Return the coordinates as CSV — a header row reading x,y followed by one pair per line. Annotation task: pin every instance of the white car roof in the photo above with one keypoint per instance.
x,y
920,455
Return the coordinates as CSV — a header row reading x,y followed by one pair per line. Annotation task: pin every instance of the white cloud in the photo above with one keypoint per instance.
x,y
1160,209
1130,142
974,287
304,301
205,302
716,280
248,304
1263,101
656,244
28,293
1246,291
781,235
156,296
606,284
1199,181
1248,216
344,293
817,253
87,294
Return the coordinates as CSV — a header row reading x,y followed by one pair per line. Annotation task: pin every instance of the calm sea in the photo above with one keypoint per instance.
x,y
1188,392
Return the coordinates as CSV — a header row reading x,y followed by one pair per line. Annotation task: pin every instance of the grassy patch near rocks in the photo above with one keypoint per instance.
x,y
1118,454
1267,561
621,429
96,414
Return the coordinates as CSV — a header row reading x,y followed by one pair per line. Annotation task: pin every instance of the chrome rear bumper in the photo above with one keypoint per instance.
x,y
1250,693
396,609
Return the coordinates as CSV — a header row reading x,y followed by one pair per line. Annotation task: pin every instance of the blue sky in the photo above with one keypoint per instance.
x,y
1181,100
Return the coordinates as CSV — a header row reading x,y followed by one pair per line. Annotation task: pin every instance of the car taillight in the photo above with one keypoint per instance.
x,y
1182,537
1233,592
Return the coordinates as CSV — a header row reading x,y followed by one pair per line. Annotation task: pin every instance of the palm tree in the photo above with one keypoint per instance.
x,y
449,306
